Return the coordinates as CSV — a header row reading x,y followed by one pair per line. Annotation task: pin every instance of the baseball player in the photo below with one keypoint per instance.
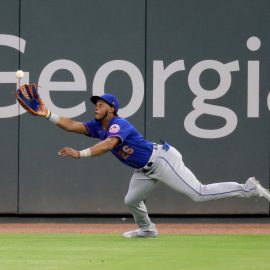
x,y
153,163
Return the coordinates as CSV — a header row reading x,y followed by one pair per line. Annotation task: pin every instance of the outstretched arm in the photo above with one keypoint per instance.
x,y
63,122
29,98
71,125
96,150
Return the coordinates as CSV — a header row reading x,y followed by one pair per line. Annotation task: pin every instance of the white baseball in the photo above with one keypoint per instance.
x,y
19,74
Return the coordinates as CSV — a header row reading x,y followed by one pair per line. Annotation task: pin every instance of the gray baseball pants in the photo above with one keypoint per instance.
x,y
169,168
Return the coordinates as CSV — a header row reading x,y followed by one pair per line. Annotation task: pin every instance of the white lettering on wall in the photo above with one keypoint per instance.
x,y
199,105
79,84
160,76
137,84
253,44
10,77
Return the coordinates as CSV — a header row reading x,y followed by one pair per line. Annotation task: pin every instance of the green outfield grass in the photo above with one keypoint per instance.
x,y
86,251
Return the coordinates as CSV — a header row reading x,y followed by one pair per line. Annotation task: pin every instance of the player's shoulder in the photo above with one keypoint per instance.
x,y
119,124
120,120
92,123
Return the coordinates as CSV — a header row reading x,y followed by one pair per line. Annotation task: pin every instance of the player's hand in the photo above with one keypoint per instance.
x,y
29,98
69,152
43,111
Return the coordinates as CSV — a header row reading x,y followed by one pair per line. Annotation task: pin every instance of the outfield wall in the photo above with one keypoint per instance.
x,y
194,73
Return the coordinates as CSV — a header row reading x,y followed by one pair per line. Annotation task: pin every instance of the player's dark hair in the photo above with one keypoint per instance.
x,y
114,112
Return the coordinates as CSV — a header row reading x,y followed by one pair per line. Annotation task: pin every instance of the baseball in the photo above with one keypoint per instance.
x,y
19,74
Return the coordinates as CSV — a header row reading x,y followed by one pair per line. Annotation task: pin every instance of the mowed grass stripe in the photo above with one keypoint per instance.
x,y
110,251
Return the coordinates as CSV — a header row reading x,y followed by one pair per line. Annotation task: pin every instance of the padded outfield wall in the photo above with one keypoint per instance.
x,y
194,73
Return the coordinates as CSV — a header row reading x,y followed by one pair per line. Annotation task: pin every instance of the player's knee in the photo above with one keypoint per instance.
x,y
198,197
128,201
131,201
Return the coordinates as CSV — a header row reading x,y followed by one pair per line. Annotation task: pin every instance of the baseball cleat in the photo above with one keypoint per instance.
x,y
261,191
149,232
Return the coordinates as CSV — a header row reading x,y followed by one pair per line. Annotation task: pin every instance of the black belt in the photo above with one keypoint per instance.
x,y
165,147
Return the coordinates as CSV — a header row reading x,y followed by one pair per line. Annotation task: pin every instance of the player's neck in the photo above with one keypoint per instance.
x,y
106,121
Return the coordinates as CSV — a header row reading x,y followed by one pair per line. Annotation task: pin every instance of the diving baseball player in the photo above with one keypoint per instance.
x,y
153,163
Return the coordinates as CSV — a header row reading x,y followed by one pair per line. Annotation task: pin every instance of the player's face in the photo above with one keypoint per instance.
x,y
102,110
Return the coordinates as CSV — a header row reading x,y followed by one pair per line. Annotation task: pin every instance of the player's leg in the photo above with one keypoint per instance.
x,y
139,188
172,171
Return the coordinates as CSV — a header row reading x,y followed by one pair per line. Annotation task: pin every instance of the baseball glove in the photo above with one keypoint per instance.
x,y
28,97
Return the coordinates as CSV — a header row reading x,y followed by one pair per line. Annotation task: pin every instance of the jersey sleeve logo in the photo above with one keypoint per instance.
x,y
114,128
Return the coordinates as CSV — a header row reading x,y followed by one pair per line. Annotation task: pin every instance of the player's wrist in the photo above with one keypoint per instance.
x,y
85,153
52,117
48,114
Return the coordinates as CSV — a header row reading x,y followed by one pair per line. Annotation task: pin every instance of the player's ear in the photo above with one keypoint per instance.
x,y
112,110
115,112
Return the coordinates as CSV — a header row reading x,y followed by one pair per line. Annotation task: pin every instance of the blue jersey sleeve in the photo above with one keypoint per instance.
x,y
133,150
91,128
120,128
